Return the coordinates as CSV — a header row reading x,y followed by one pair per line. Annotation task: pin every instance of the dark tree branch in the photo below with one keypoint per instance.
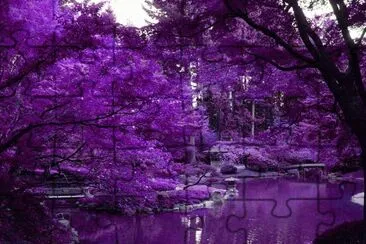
x,y
340,11
361,37
283,68
21,132
353,76
72,154
314,44
268,33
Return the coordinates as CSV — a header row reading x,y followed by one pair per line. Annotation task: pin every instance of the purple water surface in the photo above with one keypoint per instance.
x,y
266,211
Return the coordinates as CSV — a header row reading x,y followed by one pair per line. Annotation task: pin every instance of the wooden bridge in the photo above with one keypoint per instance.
x,y
62,187
65,192
305,166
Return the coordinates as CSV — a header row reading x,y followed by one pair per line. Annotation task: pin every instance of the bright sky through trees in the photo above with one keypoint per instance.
x,y
129,12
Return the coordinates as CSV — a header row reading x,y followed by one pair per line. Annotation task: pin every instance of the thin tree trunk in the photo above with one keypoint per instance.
x,y
253,118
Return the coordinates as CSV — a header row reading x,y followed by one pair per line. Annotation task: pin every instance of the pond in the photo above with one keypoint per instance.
x,y
269,210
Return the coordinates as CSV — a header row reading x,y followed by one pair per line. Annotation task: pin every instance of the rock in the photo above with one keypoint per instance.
x,y
191,193
217,198
228,169
358,198
313,173
260,159
231,193
348,232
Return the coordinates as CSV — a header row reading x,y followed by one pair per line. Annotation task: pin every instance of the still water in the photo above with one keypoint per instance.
x,y
265,211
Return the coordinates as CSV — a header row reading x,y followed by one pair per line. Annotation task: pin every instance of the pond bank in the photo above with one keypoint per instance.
x,y
236,220
212,190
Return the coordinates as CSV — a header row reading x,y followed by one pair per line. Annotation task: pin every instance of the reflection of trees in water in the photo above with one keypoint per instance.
x,y
96,226
24,219
170,227
100,227
194,226
211,225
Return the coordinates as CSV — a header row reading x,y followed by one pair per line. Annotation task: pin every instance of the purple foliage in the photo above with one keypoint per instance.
x,y
133,111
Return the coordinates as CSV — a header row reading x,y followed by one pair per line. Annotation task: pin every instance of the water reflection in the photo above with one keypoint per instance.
x,y
194,226
265,211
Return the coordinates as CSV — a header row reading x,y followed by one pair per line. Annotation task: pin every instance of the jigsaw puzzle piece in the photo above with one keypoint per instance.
x,y
284,201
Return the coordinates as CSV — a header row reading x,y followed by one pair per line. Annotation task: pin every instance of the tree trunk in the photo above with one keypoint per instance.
x,y
363,160
191,150
253,118
354,110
